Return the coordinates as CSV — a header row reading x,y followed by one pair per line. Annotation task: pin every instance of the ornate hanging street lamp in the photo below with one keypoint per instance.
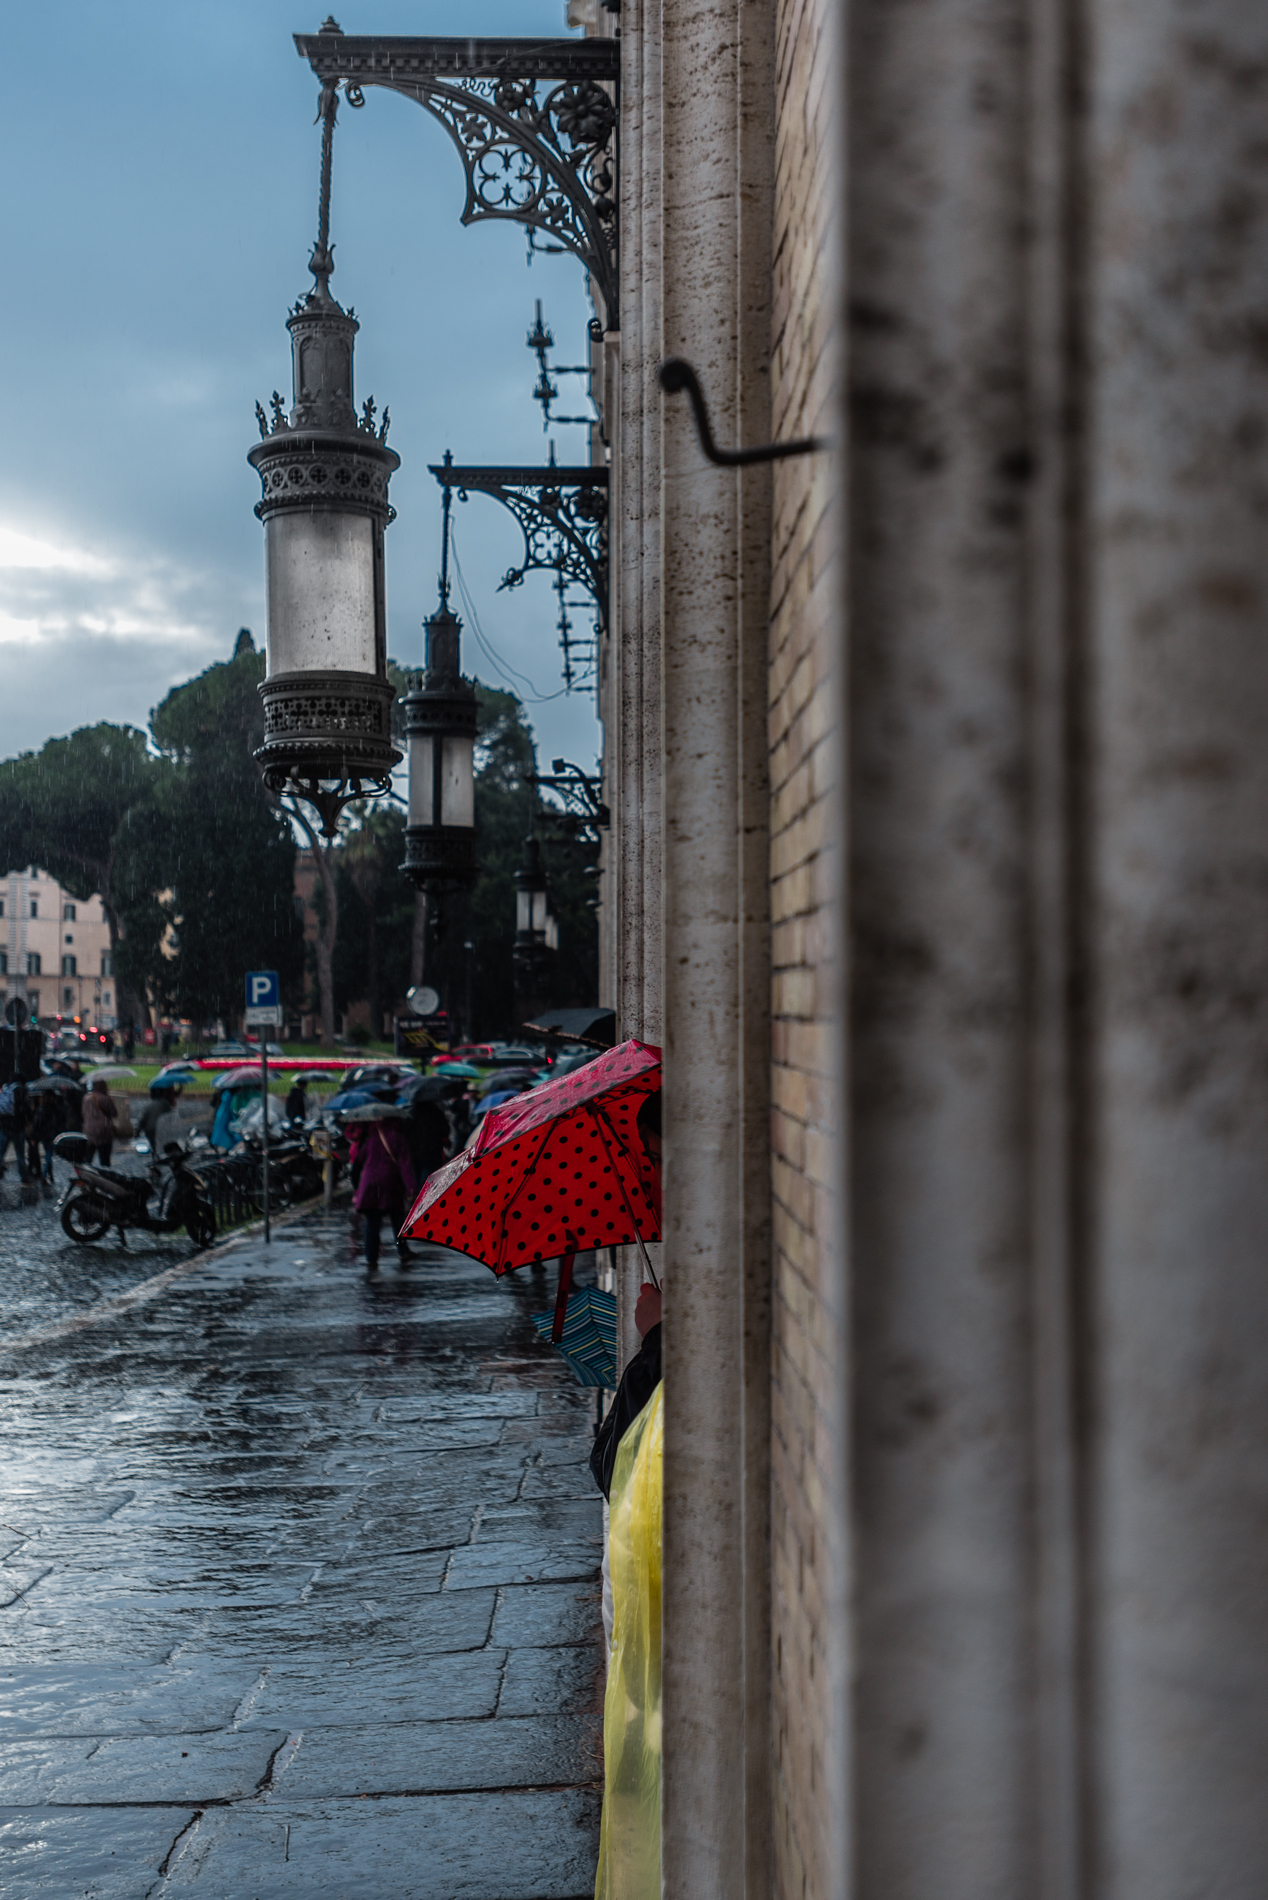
x,y
536,932
535,926
440,721
325,473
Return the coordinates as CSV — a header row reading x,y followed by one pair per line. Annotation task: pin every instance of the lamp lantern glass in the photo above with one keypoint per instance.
x,y
535,924
440,720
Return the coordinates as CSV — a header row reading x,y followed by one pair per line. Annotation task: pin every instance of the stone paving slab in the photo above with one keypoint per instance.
x,y
440,1757
538,1846
109,1853
298,1587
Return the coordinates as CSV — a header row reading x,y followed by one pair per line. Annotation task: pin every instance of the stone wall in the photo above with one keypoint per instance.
x,y
807,1337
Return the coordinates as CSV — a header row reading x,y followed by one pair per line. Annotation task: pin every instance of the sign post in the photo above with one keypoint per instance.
x,y
264,1012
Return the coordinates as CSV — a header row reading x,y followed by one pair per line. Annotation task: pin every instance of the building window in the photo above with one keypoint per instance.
x,y
68,999
33,1001
68,966
106,999
33,963
107,963
1,907
70,936
68,913
35,907
4,963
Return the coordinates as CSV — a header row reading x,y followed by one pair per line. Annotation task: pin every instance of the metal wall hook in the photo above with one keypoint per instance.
x,y
677,375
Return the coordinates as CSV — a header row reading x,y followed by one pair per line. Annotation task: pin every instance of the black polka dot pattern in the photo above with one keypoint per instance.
x,y
558,1170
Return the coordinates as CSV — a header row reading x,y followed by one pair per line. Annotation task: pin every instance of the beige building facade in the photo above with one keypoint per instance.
x,y
55,951
939,866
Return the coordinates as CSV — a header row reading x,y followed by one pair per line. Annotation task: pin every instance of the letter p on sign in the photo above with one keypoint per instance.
x,y
263,998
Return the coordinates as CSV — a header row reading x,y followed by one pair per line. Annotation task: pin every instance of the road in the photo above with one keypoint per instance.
x,y
299,1591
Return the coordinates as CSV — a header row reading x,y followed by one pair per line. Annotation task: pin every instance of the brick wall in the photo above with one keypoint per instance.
x,y
807,1376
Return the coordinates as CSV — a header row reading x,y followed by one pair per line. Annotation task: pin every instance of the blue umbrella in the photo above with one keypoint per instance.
x,y
588,1341
351,1098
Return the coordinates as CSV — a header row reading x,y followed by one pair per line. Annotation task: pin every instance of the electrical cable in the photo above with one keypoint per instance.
x,y
503,667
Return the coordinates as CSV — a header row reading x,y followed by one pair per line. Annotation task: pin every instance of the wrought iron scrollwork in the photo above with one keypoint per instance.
x,y
562,512
581,812
534,122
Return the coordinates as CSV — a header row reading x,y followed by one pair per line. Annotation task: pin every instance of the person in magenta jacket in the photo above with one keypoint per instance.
x,y
385,1184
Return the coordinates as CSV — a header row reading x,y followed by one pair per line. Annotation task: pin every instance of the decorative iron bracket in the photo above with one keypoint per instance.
x,y
545,159
582,812
563,513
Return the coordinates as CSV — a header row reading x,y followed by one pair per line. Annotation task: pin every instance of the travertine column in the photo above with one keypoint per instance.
x,y
1059,911
715,527
941,923
1174,1303
633,729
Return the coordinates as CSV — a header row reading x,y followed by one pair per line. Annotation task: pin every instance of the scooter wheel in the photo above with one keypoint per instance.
x,y
85,1219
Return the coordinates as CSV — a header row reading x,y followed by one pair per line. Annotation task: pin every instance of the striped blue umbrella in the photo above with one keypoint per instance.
x,y
588,1341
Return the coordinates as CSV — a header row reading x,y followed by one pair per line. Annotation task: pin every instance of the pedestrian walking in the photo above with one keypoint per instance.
x,y
100,1115
162,1102
427,1132
14,1115
297,1100
47,1124
385,1184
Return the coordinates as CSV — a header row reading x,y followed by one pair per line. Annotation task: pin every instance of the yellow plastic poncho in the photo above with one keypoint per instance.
x,y
629,1840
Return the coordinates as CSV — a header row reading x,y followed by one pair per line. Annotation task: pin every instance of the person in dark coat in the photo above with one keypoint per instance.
x,y
100,1115
47,1124
385,1183
643,1373
297,1100
162,1102
15,1112
427,1132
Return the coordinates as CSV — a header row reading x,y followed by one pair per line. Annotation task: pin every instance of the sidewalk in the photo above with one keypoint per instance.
x,y
299,1592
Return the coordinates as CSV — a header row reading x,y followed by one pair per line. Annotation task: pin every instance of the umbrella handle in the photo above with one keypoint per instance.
x,y
600,1118
561,1298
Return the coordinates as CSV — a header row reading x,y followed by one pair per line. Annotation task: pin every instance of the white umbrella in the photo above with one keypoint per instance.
x,y
111,1072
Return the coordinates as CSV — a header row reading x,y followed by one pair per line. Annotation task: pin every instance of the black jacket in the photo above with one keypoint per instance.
x,y
639,1380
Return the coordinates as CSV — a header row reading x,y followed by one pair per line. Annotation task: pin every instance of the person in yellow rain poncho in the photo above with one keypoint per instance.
x,y
629,1840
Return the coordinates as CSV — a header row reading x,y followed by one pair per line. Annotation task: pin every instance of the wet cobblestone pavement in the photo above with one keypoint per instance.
x,y
299,1582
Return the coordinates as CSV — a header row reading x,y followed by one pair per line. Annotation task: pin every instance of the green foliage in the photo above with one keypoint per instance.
x,y
504,814
376,911
86,809
64,808
196,865
230,853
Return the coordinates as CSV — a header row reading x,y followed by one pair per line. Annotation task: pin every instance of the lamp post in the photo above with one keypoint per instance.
x,y
440,722
324,473
536,930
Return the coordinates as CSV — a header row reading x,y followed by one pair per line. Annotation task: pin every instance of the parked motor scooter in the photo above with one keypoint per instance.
x,y
294,1172
99,1198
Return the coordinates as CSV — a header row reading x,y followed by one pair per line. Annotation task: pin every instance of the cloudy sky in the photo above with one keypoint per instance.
x,y
160,167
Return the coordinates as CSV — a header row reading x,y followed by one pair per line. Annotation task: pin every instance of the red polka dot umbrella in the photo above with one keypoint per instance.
x,y
554,1172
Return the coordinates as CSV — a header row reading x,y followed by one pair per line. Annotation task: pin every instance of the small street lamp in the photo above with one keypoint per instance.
x,y
536,930
440,721
325,473
535,926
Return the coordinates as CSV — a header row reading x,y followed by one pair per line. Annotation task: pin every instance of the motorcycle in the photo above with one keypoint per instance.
x,y
99,1198
295,1172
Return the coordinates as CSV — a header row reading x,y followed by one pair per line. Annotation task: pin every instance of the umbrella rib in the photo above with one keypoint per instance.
x,y
600,1116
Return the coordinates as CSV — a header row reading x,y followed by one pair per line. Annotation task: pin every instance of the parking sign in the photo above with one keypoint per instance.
x,y
264,1000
